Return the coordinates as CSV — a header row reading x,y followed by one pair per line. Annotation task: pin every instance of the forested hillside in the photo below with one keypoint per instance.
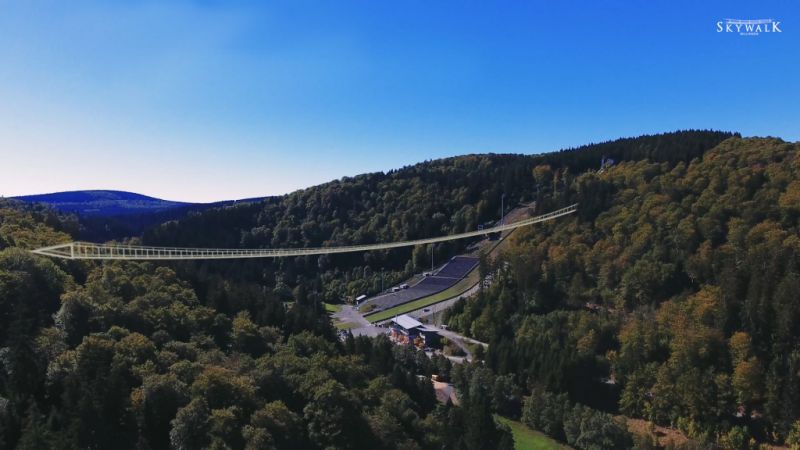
x,y
424,200
129,356
671,297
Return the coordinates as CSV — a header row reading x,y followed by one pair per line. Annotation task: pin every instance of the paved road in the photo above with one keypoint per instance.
x,y
453,359
452,335
364,328
350,314
460,341
434,312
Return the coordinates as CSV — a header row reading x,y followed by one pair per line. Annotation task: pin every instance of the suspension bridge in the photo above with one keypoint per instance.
x,y
87,250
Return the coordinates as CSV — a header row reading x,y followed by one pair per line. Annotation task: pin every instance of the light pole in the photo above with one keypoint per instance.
x,y
502,208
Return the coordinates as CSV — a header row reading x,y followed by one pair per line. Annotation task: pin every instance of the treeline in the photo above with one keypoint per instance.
x,y
29,225
672,297
129,356
582,427
670,148
577,425
242,354
428,199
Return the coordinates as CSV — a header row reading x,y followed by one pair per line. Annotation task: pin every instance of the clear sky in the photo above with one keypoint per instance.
x,y
212,100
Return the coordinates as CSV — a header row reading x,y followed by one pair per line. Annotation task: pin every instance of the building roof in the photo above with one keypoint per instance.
x,y
407,322
445,392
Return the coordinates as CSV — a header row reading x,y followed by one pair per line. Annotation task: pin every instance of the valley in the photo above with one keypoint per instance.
x,y
655,302
447,225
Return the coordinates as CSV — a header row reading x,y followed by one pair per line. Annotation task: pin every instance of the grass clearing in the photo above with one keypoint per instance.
x,y
345,325
331,308
527,439
455,290
364,309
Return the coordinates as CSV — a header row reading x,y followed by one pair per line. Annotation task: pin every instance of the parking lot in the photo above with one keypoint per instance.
x,y
446,276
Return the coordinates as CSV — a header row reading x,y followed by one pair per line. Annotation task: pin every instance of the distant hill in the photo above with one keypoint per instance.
x,y
670,298
106,214
103,203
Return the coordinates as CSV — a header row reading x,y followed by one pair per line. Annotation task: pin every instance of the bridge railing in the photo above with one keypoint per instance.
x,y
87,250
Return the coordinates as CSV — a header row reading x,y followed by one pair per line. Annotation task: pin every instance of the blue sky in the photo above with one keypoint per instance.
x,y
214,100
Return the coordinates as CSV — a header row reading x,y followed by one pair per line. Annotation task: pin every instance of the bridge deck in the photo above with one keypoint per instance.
x,y
86,250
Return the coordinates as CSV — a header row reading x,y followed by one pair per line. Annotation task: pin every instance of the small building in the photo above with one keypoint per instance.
x,y
445,392
360,299
406,330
